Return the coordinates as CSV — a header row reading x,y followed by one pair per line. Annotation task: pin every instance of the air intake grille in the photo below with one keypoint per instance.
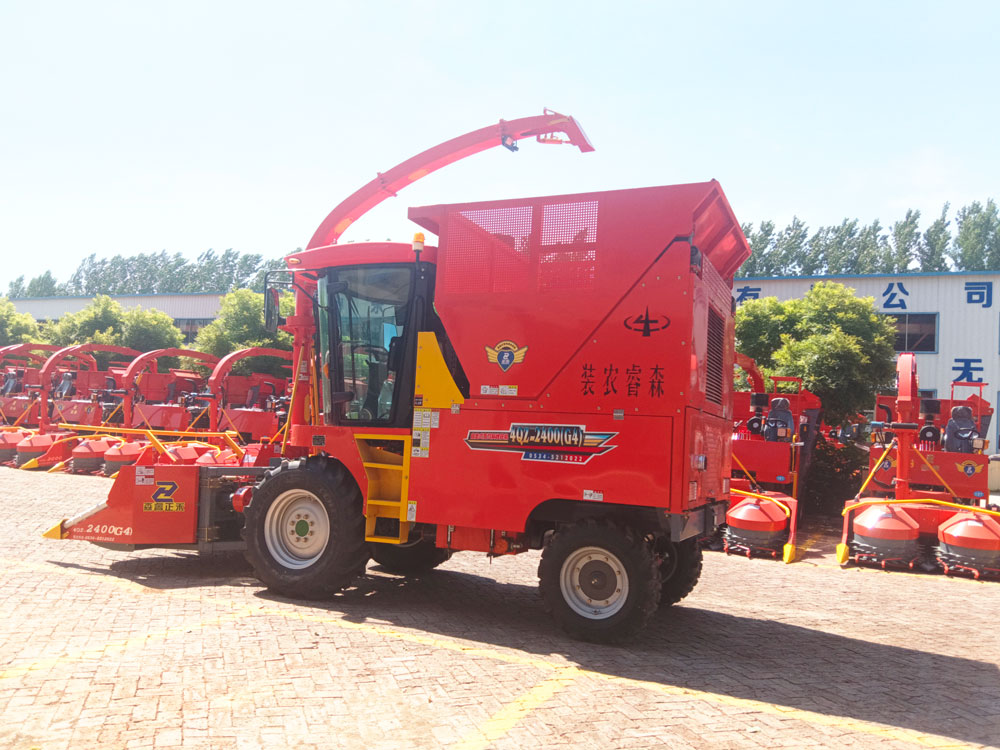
x,y
713,376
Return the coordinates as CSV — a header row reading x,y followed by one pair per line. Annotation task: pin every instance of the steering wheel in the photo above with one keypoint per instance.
x,y
754,425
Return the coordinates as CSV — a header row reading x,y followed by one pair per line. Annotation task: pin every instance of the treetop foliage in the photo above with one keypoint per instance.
x,y
240,325
839,344
152,273
104,321
854,248
15,327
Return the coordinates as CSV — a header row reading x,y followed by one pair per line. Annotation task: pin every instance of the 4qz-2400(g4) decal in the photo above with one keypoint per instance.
x,y
561,443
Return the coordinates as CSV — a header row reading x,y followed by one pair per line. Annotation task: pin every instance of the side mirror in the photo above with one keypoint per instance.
x,y
271,315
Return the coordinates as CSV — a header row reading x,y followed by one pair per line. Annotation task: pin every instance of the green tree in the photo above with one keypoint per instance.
x,y
905,242
839,344
17,289
977,241
761,260
793,251
934,244
240,324
43,286
15,327
873,253
145,330
100,322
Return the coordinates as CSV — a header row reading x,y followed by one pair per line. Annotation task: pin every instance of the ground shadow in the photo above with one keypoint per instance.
x,y
685,646
715,652
168,570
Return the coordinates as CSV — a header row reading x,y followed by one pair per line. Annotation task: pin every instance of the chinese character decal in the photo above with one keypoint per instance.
x,y
979,293
633,381
966,368
587,380
892,297
747,292
610,375
656,382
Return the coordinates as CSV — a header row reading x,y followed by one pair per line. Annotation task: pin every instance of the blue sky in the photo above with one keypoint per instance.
x,y
132,127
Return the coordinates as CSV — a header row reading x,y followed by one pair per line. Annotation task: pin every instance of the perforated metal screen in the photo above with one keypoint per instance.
x,y
543,248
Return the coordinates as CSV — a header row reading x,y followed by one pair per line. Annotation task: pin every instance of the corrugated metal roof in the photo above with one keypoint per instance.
x,y
177,306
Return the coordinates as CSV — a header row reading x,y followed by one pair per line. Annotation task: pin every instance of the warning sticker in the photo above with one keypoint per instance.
x,y
144,475
498,390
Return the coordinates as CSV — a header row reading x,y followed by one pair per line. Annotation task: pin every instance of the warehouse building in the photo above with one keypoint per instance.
x,y
949,320
191,312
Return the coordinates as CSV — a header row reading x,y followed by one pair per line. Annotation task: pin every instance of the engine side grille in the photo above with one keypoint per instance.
x,y
713,375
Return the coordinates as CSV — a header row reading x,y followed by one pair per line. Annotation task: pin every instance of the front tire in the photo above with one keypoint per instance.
x,y
599,581
305,529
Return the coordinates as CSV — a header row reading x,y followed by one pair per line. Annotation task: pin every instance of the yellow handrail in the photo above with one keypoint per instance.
x,y
153,435
788,512
934,471
115,411
875,468
745,471
921,500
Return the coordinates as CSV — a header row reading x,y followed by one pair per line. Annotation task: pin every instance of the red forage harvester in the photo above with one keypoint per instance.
x,y
927,506
554,375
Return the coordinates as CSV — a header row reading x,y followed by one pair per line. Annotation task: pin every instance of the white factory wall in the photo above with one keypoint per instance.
x,y
177,306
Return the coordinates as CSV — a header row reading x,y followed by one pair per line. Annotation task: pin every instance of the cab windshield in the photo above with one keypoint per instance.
x,y
361,339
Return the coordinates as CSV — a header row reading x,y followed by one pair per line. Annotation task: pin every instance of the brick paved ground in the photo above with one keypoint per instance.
x,y
160,649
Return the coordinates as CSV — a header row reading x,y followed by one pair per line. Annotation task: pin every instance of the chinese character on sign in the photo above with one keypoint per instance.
x,y
979,293
892,297
966,369
748,292
587,380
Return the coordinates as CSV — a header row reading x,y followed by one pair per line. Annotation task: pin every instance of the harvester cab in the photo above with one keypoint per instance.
x,y
555,374
927,502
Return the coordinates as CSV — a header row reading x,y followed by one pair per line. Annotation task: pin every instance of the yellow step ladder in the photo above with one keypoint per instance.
x,y
388,475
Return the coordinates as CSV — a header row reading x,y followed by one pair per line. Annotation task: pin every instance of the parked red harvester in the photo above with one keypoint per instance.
x,y
21,366
517,387
73,390
254,406
772,443
927,507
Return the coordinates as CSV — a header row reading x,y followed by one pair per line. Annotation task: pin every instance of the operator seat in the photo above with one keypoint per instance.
x,y
779,419
253,396
66,388
11,384
960,430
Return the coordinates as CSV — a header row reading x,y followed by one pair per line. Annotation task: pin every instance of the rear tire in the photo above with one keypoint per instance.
x,y
680,569
599,581
418,557
305,530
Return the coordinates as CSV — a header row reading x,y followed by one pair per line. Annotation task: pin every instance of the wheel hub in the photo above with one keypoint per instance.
x,y
296,529
594,583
